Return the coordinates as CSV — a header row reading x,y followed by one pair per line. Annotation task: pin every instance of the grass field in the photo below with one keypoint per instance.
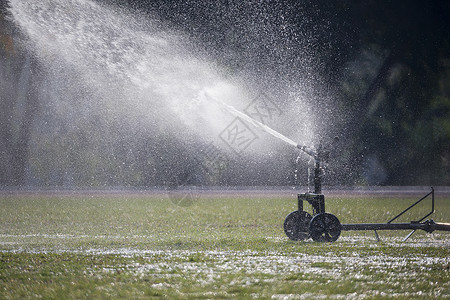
x,y
146,246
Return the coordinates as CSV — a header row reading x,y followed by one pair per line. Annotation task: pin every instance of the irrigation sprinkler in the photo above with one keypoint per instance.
x,y
325,227
322,226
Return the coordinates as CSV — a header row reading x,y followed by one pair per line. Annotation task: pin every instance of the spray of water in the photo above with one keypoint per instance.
x,y
252,121
129,62
104,65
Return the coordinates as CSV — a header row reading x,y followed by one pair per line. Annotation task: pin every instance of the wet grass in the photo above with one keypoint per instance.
x,y
137,246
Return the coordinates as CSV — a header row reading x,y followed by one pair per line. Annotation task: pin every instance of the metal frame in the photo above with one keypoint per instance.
x,y
428,225
329,227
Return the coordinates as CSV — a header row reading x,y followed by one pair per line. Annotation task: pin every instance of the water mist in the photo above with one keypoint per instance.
x,y
110,75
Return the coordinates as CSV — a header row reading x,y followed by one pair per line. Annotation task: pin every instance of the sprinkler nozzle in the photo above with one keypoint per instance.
x,y
307,150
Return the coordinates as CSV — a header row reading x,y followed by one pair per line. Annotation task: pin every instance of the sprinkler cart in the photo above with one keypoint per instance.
x,y
325,227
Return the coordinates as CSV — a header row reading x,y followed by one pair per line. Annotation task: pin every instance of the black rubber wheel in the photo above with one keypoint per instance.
x,y
296,225
325,227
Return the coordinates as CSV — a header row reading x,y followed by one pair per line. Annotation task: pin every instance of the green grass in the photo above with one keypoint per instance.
x,y
131,246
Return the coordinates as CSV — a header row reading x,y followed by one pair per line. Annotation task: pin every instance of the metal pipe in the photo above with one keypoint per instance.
x,y
381,226
442,226
308,151
317,178
428,226
317,168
